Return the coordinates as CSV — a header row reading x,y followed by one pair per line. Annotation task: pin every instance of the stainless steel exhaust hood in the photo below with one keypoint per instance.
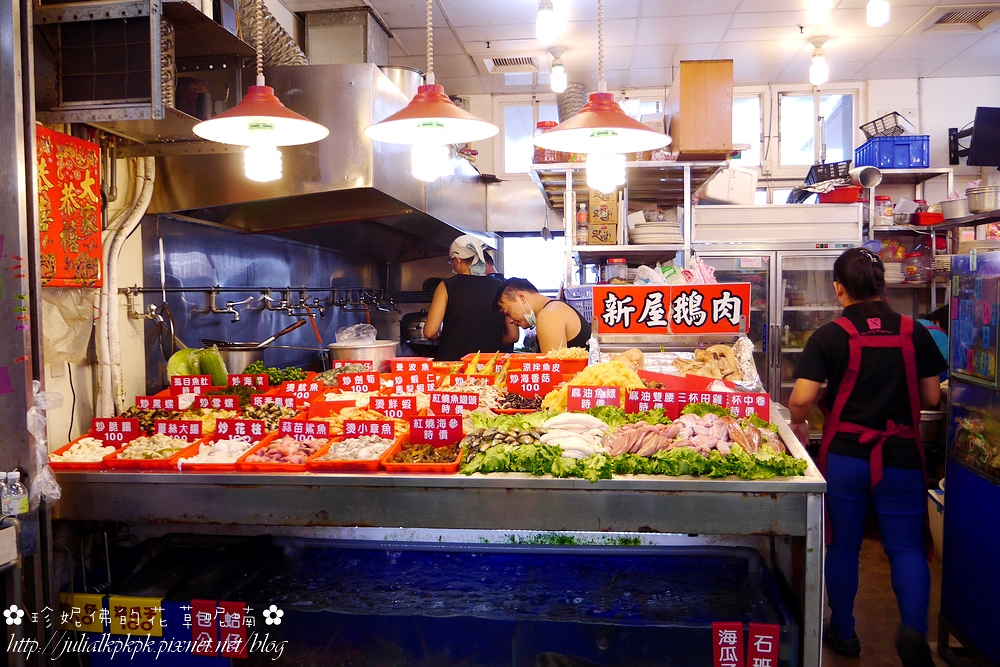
x,y
345,192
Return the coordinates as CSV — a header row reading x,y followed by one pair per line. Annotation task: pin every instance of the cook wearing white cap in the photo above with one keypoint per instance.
x,y
462,317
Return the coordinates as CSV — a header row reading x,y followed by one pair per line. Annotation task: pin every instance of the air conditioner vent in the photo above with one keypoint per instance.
x,y
959,18
510,64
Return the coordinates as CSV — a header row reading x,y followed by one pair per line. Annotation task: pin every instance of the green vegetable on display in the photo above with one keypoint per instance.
x,y
275,375
192,361
614,416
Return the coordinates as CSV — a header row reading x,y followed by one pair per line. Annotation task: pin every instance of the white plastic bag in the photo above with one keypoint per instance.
x,y
358,333
647,276
43,482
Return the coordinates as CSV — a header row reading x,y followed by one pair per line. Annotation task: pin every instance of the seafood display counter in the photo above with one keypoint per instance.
x,y
307,503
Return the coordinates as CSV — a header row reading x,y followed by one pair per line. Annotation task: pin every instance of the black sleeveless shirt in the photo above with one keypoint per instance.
x,y
471,322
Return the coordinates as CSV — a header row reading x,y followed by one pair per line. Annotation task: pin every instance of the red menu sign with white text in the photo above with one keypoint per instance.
x,y
762,644
186,429
643,400
413,382
727,644
529,384
355,428
436,431
304,429
217,402
671,309
156,402
255,429
284,400
411,364
453,402
551,366
114,430
361,382
190,384
254,380
340,363
394,406
744,405
301,389
459,380
582,398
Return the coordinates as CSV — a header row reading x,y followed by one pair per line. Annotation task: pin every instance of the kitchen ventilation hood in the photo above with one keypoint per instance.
x,y
345,192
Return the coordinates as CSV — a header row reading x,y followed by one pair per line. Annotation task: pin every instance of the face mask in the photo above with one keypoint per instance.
x,y
478,269
529,313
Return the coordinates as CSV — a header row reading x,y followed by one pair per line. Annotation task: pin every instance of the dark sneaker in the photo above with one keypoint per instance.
x,y
913,649
850,648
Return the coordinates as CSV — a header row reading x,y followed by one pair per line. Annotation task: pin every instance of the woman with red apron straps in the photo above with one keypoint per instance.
x,y
880,368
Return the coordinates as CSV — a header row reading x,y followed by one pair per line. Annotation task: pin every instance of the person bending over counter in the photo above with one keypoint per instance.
x,y
556,323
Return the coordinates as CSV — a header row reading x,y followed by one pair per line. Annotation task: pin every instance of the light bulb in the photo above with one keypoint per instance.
x,y
877,13
558,79
262,163
547,23
819,71
605,171
429,161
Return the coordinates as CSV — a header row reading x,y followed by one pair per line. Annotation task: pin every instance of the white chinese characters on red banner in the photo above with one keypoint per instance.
x,y
582,398
340,363
283,400
459,380
394,406
240,428
529,383
671,309
254,380
453,402
356,428
762,645
744,405
182,429
114,430
553,366
156,403
218,402
411,382
303,390
304,429
644,400
727,644
190,384
362,382
435,431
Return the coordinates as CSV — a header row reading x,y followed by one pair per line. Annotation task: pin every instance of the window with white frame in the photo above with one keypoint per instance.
x,y
797,127
521,115
747,129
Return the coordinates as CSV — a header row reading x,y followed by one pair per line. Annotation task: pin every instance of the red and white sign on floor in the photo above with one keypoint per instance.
x,y
671,309
156,402
762,645
254,380
529,383
727,644
114,430
240,428
643,400
356,428
203,629
183,429
190,384
453,402
436,431
744,405
304,429
395,406
582,398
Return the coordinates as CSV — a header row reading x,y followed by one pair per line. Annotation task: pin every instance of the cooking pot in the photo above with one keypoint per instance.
x,y
238,356
379,352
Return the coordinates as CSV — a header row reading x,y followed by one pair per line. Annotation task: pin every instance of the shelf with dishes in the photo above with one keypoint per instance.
x,y
634,253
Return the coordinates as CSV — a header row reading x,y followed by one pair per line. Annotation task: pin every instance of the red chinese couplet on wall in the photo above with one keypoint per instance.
x,y
671,309
727,644
762,645
203,629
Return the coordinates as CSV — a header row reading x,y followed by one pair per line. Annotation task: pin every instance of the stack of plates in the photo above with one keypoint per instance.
x,y
894,273
659,233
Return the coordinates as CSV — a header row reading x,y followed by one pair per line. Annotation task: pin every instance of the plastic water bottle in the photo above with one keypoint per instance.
x,y
3,494
15,496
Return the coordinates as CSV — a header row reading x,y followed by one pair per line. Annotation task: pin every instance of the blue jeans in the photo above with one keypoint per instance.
x,y
900,503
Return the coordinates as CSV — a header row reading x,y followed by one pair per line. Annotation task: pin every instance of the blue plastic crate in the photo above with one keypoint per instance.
x,y
906,152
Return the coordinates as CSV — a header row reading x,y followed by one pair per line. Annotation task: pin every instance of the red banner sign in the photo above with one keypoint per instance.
x,y
436,431
355,428
497,365
671,309
284,400
366,382
367,363
255,380
218,402
190,384
411,364
395,407
301,389
744,405
762,644
553,366
413,382
304,429
183,429
727,644
203,630
529,383
156,402
459,380
115,430
582,398
240,428
232,629
643,400
453,402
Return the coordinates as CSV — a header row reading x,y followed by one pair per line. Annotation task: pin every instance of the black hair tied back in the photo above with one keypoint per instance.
x,y
860,272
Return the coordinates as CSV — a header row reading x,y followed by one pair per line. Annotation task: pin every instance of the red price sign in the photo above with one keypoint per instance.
x,y
643,400
459,380
497,366
255,380
529,383
240,428
436,431
190,384
411,383
284,400
301,389
367,363
156,402
554,367
673,309
232,629
183,429
744,405
582,398
363,382
114,430
395,406
727,644
219,402
762,644
203,629
355,428
453,402
304,429
411,364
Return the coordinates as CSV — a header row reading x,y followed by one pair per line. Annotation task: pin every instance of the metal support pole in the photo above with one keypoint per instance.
x,y
812,602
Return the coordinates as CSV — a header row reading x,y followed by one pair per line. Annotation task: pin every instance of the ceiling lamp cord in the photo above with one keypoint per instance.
x,y
430,43
258,40
602,87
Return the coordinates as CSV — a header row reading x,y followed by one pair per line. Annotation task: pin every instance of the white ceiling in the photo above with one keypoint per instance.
x,y
768,40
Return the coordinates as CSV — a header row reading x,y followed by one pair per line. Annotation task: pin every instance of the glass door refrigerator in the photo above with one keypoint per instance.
x,y
970,587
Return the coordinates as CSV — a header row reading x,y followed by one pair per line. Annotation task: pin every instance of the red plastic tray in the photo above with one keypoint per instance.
x,y
515,411
94,465
418,467
161,465
214,467
358,465
243,465
926,218
842,194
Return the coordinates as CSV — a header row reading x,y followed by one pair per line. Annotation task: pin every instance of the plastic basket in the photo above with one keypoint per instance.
x,y
79,465
909,152
250,466
582,299
437,468
827,172
161,465
352,465
889,125
213,467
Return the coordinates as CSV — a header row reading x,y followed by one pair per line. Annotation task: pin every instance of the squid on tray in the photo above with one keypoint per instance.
x,y
703,434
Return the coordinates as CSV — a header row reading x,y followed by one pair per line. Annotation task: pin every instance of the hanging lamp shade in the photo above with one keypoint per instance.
x,y
261,119
431,118
601,127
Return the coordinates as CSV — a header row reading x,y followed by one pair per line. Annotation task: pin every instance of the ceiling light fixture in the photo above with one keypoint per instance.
x,y
877,13
430,120
601,127
547,23
557,78
261,122
819,71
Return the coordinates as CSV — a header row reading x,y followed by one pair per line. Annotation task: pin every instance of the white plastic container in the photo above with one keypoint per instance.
x,y
732,185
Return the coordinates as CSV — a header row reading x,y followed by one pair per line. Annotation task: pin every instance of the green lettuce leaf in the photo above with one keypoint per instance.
x,y
702,409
